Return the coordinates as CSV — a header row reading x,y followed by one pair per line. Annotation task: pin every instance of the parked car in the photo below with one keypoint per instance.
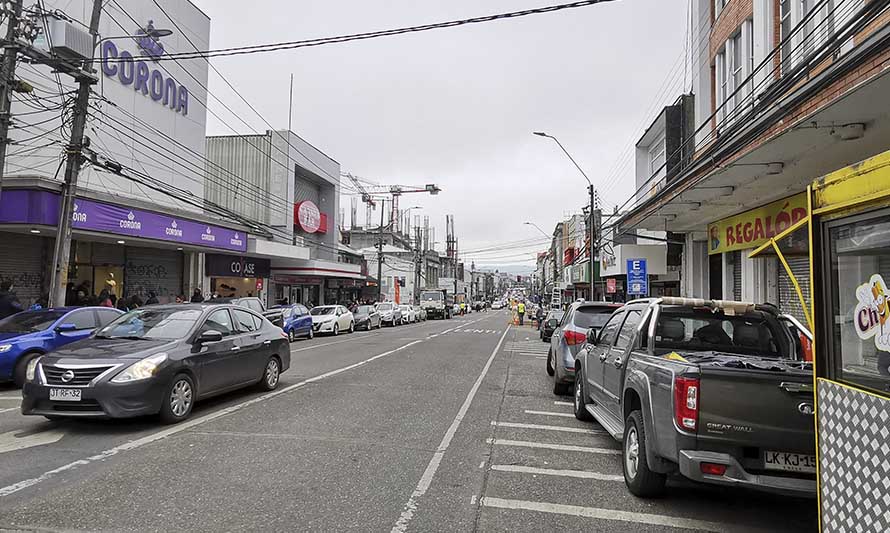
x,y
27,335
713,390
549,324
408,314
332,319
390,313
254,304
420,312
157,360
367,317
295,320
570,336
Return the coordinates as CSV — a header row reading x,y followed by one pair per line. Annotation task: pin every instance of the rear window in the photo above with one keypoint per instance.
x,y
753,334
589,317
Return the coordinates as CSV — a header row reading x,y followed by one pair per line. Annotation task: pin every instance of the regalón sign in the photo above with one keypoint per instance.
x,y
308,216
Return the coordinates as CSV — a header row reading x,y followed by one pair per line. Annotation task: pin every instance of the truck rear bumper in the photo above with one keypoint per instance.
x,y
736,476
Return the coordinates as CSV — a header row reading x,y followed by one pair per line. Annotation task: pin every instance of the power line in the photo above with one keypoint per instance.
x,y
290,45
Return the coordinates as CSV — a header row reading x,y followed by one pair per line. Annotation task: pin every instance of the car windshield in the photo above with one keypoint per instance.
x,y
704,331
384,307
431,296
29,321
364,310
286,312
327,310
152,323
590,317
555,315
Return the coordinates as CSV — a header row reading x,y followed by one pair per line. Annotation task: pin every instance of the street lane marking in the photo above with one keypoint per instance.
x,y
557,402
8,410
547,446
583,474
604,514
10,442
548,428
549,413
351,339
426,479
188,424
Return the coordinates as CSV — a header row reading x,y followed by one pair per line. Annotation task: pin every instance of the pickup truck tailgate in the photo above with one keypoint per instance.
x,y
766,409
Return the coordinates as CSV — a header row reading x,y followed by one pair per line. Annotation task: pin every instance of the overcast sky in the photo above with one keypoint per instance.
x,y
456,107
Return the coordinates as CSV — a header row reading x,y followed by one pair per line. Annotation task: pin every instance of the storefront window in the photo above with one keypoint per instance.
x,y
859,260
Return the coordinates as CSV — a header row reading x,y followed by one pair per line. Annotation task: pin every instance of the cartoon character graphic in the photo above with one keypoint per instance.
x,y
872,314
715,238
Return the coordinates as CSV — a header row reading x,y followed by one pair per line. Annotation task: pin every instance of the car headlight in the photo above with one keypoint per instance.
x,y
5,347
31,369
144,369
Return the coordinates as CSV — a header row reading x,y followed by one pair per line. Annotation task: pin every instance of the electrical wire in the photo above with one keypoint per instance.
x,y
290,45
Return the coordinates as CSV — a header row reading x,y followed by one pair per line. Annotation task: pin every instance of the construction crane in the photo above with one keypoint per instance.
x,y
369,191
366,197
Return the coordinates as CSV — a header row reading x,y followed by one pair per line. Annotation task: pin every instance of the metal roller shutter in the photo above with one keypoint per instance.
x,y
736,276
788,300
155,270
23,263
106,254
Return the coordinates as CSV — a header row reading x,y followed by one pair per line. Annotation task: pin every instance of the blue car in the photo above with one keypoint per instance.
x,y
295,321
30,334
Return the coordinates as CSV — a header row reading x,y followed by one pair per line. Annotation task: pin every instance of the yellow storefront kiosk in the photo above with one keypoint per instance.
x,y
848,230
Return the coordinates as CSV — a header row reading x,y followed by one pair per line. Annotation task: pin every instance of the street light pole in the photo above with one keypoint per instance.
x,y
591,223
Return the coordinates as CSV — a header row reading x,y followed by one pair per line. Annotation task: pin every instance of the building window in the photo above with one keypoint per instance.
x,y
657,156
785,25
859,272
718,7
720,80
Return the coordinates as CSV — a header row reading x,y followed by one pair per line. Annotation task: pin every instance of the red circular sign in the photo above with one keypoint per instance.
x,y
308,216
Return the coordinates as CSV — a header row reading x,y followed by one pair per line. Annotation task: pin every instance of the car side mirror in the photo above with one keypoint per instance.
x,y
210,336
592,335
62,328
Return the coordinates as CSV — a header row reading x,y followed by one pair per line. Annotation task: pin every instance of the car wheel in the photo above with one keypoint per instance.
x,y
271,375
352,327
640,480
311,333
336,329
18,375
550,370
290,336
178,401
580,401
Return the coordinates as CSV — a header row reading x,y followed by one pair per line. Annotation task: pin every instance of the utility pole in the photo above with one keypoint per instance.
x,y
418,262
62,252
592,235
380,254
7,79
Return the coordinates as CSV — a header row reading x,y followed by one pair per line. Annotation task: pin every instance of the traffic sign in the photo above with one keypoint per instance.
x,y
637,277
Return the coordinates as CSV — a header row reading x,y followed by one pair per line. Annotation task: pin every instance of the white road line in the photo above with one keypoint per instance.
x,y
604,514
16,397
557,402
8,410
9,441
548,446
583,474
549,413
188,424
426,479
564,429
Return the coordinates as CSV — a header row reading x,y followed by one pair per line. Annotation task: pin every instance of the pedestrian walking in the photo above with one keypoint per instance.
x,y
197,297
9,302
520,310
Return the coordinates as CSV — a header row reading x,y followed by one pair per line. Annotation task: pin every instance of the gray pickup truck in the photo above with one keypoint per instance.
x,y
714,390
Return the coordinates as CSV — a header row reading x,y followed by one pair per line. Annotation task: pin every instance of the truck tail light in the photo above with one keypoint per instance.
x,y
573,337
686,402
713,469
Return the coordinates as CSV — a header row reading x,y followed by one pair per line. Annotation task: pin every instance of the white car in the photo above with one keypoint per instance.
x,y
409,315
332,319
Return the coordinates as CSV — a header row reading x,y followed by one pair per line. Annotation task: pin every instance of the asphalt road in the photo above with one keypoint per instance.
x,y
438,426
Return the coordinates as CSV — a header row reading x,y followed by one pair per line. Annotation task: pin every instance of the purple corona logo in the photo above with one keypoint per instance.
x,y
149,81
150,44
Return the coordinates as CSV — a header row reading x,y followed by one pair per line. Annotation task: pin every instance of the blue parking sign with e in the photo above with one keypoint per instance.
x,y
637,277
